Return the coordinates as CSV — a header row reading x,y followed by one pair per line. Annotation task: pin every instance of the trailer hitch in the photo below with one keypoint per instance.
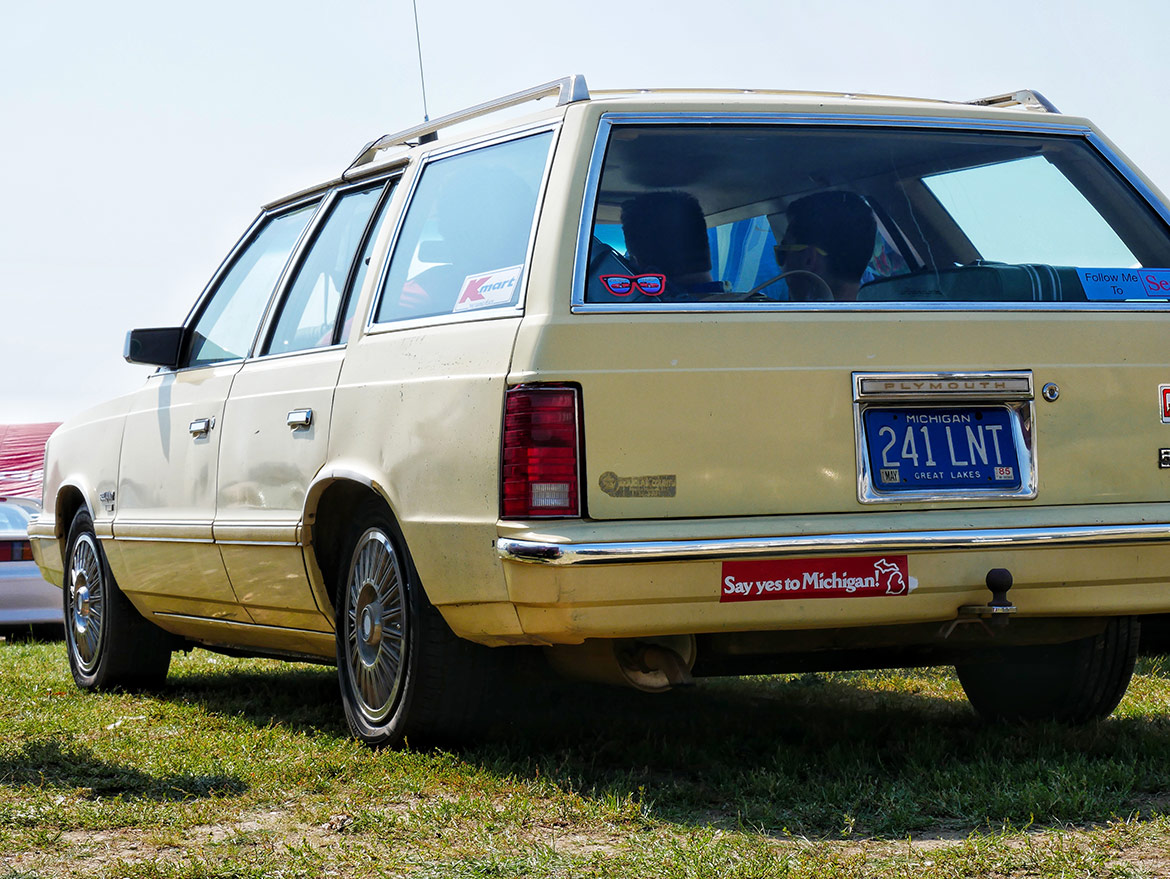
x,y
999,581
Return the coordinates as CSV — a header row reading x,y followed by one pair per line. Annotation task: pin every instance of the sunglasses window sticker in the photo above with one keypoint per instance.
x,y
624,285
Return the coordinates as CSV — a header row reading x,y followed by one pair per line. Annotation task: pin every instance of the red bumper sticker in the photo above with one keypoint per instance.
x,y
816,578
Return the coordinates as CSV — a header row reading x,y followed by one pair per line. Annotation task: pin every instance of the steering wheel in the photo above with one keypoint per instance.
x,y
780,277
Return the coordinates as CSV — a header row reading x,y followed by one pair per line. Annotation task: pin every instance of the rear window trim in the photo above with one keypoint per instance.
x,y
1076,130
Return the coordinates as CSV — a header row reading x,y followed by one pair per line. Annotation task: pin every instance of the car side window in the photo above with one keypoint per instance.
x,y
363,266
229,321
308,314
464,240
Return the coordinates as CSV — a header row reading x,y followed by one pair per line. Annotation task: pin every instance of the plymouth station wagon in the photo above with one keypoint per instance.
x,y
667,384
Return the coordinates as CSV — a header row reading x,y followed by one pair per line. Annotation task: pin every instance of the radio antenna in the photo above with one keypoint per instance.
x,y
421,78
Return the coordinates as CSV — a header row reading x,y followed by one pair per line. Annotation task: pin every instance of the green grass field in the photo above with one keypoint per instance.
x,y
242,768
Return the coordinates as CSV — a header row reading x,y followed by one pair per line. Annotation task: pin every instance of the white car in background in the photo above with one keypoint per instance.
x,y
26,599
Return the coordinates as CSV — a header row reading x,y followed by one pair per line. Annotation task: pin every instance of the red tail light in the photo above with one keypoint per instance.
x,y
541,452
15,551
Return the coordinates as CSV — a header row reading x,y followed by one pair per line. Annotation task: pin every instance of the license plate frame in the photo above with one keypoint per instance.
x,y
938,409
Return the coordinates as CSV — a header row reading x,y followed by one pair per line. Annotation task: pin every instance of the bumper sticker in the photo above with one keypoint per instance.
x,y
816,578
1125,285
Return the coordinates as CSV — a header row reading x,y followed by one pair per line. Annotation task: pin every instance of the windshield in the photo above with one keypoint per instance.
x,y
773,213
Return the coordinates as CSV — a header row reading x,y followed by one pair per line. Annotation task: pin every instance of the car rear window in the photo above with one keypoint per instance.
x,y
688,214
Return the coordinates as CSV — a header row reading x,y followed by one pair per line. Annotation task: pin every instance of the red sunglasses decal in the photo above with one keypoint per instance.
x,y
623,285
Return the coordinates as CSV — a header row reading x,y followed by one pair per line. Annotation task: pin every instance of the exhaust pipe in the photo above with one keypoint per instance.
x,y
652,665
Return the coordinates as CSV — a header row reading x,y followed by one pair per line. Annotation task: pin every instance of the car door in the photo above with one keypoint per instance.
x,y
276,422
165,499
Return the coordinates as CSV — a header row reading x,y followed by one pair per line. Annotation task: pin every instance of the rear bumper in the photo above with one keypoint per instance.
x,y
570,583
607,553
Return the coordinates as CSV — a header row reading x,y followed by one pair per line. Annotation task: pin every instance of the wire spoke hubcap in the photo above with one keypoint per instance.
x,y
86,602
375,626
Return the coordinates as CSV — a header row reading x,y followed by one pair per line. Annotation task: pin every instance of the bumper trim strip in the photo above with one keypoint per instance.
x,y
567,554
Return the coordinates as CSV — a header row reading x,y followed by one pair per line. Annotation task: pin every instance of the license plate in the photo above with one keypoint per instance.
x,y
943,449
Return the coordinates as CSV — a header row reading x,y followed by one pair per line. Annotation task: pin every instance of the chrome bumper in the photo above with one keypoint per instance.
x,y
610,553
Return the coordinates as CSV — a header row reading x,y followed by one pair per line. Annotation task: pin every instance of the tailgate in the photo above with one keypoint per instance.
x,y
745,415
773,317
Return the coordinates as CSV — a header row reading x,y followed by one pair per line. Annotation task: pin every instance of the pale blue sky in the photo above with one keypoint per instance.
x,y
140,138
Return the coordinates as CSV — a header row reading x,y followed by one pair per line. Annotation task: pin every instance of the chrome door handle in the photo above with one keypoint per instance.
x,y
201,426
299,419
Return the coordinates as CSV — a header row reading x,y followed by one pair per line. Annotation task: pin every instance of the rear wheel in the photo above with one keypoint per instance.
x,y
403,674
109,643
1074,683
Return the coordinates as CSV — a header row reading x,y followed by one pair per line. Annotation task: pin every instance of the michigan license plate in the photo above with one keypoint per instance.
x,y
943,449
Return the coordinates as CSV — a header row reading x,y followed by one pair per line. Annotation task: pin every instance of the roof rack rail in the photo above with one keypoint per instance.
x,y
568,90
1028,99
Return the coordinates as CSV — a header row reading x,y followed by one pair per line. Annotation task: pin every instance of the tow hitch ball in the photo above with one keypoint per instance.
x,y
999,581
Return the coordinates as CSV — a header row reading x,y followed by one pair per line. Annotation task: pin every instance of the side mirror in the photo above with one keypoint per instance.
x,y
157,346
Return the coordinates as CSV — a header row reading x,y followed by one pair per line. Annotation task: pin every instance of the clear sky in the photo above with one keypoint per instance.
x,y
139,139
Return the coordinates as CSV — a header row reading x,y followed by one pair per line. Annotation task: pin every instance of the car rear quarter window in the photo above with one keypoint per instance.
x,y
464,241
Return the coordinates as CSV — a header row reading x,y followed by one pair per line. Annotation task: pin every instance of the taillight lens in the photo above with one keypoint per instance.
x,y
15,551
541,445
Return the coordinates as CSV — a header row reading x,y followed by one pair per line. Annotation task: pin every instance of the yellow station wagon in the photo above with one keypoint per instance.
x,y
667,383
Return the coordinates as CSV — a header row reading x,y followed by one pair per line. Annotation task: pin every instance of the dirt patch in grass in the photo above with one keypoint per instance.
x,y
256,841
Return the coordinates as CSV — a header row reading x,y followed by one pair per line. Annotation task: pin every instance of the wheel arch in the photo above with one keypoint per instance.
x,y
329,498
69,499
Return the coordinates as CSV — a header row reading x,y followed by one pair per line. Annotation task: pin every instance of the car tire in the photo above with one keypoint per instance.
x,y
404,676
1074,683
110,645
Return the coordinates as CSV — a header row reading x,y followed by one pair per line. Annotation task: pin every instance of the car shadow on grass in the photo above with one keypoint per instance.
x,y
828,756
821,755
68,766
300,698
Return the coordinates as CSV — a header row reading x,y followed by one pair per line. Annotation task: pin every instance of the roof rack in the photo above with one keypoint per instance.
x,y
1027,99
568,90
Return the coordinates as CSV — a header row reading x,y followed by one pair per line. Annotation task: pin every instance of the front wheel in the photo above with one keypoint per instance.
x,y
109,643
403,674
1074,683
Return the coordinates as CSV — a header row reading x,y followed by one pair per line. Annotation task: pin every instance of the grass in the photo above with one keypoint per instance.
x,y
244,768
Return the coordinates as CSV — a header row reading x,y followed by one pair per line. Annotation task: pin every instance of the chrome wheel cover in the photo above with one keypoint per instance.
x,y
375,629
87,603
